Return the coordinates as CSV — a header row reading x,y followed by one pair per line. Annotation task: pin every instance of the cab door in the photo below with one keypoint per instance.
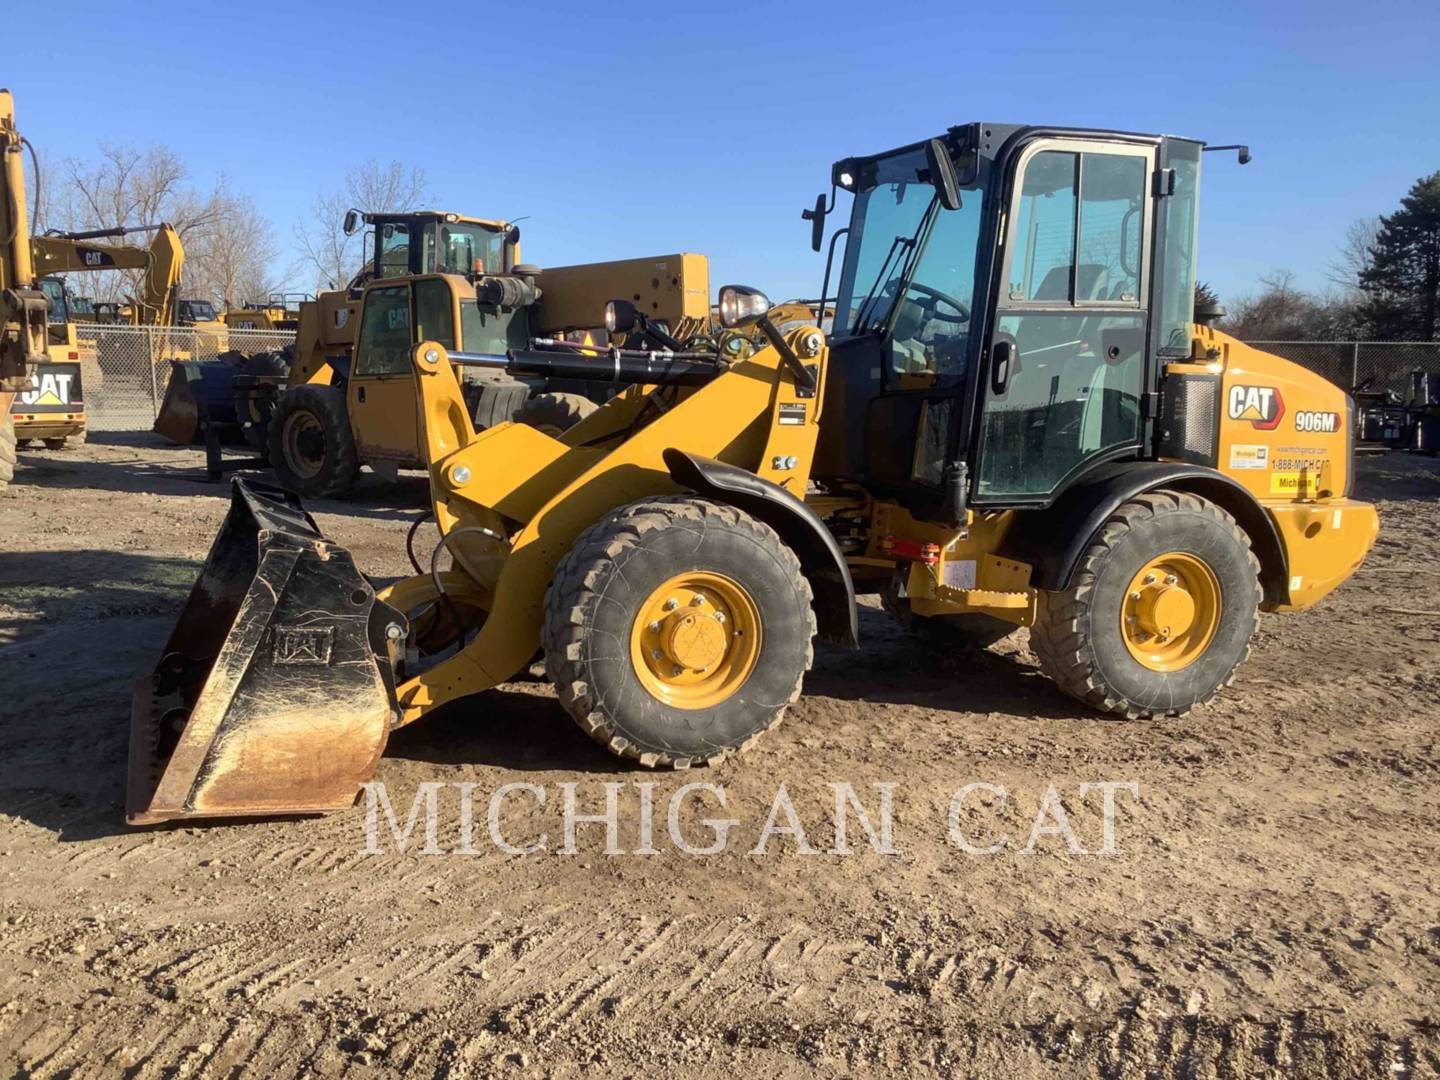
x,y
381,395
1065,368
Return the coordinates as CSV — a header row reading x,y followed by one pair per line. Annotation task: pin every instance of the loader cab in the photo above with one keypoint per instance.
x,y
992,354
431,242
396,314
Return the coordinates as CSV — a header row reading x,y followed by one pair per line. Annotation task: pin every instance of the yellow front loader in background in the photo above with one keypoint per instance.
x,y
1014,421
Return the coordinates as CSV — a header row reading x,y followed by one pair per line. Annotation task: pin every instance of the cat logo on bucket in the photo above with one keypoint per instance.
x,y
1261,405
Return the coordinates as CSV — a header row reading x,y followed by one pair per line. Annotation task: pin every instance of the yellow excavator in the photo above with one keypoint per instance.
x,y
1013,421
24,336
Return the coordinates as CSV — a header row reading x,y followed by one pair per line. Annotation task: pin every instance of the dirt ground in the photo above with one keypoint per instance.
x,y
1272,906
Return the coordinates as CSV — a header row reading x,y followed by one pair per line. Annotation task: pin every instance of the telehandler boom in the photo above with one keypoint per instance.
x,y
1014,422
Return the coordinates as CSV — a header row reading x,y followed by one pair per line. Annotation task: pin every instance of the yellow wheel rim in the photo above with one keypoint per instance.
x,y
695,640
1171,611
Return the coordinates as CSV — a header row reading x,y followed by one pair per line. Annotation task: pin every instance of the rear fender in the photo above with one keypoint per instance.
x,y
797,525
1052,540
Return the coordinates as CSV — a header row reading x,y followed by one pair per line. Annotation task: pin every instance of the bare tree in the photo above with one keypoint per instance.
x,y
230,261
325,250
1356,253
1281,312
229,246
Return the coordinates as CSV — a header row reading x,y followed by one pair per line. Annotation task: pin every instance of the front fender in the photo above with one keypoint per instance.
x,y
797,525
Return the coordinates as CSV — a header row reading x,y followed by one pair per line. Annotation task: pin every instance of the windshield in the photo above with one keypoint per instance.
x,y
199,310
465,249
910,266
54,290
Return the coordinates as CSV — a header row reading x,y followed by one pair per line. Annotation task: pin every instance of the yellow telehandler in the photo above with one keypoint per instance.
x,y
1014,421
337,409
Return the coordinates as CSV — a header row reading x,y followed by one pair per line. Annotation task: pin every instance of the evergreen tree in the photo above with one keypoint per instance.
x,y
1402,282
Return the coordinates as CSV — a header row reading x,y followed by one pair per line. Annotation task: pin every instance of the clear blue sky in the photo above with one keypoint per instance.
x,y
642,128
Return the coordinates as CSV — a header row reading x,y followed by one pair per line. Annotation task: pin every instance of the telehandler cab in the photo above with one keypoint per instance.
x,y
1014,422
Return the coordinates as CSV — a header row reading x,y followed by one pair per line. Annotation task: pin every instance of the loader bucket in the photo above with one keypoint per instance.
x,y
199,392
276,691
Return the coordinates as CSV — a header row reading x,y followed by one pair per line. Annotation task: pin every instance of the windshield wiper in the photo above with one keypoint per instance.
x,y
861,316
907,247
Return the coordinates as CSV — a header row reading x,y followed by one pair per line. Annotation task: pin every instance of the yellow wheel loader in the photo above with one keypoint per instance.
x,y
1014,422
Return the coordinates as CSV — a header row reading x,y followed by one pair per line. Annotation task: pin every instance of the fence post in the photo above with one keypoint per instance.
x,y
1355,366
150,362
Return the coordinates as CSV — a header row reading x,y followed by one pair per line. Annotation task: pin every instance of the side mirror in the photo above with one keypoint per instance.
x,y
816,217
620,316
942,174
352,222
740,304
512,235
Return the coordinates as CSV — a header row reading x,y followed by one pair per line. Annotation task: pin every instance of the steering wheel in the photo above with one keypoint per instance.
x,y
962,311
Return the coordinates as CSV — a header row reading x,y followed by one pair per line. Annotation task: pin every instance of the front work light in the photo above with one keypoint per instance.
x,y
740,304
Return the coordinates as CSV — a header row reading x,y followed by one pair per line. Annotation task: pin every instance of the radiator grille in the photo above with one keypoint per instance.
x,y
1190,418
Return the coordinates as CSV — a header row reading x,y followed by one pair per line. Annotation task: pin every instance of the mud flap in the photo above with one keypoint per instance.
x,y
276,692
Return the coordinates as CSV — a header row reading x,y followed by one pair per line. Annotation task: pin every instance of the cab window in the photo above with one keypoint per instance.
x,y
394,250
385,338
434,313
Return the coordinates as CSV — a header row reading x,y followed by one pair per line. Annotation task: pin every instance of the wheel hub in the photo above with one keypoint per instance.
x,y
1171,611
695,639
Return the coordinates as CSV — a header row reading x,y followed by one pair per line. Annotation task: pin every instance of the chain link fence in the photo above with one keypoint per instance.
x,y
125,369
1386,364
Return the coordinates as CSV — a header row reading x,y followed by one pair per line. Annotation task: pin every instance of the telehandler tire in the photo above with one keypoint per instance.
x,y
677,630
1160,611
312,449
8,446
554,414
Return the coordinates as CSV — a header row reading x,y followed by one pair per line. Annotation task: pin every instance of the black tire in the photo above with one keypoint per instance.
x,y
1077,633
554,414
312,449
598,592
969,631
8,445
55,444
251,408
24,444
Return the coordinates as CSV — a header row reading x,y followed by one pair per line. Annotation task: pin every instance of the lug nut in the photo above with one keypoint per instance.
x,y
677,670
719,616
656,654
671,604
1171,579
1149,579
655,627
697,600
1135,595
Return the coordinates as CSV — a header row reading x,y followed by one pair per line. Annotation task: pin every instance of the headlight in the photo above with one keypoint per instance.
x,y
619,316
740,304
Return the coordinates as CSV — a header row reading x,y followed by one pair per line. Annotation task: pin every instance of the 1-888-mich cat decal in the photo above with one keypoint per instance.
x,y
1262,406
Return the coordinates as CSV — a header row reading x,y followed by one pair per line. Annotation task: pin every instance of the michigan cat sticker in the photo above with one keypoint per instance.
x,y
1262,406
